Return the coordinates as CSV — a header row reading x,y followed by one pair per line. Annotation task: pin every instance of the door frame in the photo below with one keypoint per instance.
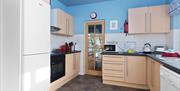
x,y
87,71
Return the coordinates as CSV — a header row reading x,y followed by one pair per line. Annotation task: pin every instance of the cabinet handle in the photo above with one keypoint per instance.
x,y
152,73
126,67
113,70
113,63
145,22
150,22
66,26
114,76
113,57
74,62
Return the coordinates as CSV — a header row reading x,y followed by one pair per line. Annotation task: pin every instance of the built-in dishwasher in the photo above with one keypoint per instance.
x,y
170,81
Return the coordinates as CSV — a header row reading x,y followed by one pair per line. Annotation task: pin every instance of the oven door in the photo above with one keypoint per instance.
x,y
57,67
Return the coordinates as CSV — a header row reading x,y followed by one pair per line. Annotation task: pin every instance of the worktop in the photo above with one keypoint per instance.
x,y
63,53
171,63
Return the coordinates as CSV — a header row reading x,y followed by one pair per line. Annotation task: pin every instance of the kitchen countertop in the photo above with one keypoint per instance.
x,y
171,63
64,53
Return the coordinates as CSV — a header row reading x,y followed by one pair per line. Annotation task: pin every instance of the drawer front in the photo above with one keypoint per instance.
x,y
113,77
113,62
116,67
118,72
113,58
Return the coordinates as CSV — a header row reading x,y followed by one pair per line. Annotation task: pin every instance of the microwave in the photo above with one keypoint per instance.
x,y
110,48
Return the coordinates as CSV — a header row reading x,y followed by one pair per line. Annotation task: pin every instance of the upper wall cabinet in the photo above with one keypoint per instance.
x,y
174,7
62,20
137,20
153,19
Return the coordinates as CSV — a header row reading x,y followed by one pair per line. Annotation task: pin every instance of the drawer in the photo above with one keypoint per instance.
x,y
113,58
118,72
113,77
114,62
116,67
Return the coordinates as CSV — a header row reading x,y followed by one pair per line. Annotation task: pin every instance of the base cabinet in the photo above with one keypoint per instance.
x,y
127,71
131,71
69,66
72,70
136,70
153,75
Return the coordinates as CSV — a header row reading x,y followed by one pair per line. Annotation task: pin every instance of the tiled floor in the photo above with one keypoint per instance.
x,y
91,83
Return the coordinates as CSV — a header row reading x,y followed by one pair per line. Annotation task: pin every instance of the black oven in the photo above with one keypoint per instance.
x,y
57,66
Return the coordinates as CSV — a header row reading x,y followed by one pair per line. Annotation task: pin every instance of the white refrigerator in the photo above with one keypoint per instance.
x,y
36,45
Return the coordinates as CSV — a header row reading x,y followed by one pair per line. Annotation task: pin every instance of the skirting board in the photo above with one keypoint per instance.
x,y
60,82
125,84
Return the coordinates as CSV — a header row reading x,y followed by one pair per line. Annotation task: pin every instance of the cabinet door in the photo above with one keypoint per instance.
x,y
62,21
36,27
155,76
77,63
69,65
137,20
70,25
136,70
36,72
149,72
159,19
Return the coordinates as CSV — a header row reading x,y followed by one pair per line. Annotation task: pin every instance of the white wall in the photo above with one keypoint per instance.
x,y
174,40
154,39
11,45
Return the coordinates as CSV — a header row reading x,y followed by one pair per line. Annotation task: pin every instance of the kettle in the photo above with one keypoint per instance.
x,y
147,48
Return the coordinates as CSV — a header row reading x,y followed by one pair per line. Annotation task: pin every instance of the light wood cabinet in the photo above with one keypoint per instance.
x,y
137,20
62,20
69,65
131,71
154,19
76,64
113,68
159,19
149,73
127,71
153,75
72,64
136,70
70,25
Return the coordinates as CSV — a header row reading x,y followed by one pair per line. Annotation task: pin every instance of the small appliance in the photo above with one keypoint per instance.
x,y
159,49
147,48
110,48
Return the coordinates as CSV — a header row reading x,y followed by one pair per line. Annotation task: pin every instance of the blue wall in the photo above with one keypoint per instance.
x,y
109,10
57,4
175,22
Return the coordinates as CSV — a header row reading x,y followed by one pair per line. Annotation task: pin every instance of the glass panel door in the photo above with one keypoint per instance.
x,y
95,45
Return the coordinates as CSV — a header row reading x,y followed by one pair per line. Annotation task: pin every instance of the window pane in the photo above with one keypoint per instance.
x,y
91,29
98,29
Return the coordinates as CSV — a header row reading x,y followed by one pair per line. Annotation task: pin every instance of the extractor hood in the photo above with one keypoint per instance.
x,y
55,29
